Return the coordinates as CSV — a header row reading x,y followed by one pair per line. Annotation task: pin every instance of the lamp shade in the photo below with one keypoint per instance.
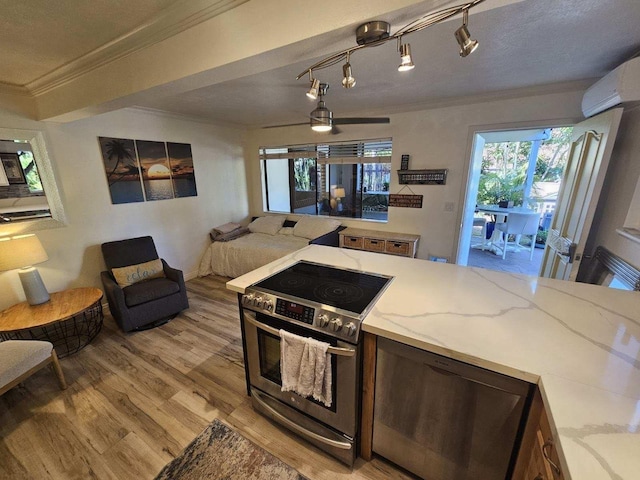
x,y
339,193
21,251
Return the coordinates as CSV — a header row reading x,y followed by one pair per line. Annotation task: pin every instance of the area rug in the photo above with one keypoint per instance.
x,y
220,453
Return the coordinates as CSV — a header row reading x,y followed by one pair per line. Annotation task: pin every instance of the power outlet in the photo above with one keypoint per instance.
x,y
449,206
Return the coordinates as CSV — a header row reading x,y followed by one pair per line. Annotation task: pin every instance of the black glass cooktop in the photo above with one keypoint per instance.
x,y
344,289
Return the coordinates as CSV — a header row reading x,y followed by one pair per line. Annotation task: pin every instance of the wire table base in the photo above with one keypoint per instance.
x,y
68,336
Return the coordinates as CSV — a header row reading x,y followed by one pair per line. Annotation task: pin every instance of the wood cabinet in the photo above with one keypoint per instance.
x,y
403,244
538,457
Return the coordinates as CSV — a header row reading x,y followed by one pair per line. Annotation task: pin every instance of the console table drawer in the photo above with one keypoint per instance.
x,y
374,245
353,242
403,244
398,248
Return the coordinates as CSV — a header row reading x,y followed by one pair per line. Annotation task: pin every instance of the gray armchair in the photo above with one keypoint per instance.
x,y
145,304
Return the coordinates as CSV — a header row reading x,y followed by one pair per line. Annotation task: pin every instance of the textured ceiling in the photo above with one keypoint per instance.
x,y
526,44
38,36
523,44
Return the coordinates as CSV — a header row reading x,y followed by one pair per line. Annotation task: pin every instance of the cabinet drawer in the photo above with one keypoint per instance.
x,y
399,248
374,245
352,242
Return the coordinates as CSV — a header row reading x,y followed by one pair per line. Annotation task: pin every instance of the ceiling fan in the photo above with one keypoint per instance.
x,y
321,118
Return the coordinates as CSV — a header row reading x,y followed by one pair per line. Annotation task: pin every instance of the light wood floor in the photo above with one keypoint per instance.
x,y
136,400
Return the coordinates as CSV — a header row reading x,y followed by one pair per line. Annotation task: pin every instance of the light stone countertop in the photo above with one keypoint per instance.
x,y
580,343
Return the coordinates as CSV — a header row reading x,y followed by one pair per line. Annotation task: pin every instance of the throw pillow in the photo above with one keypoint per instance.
x,y
126,276
310,227
286,231
270,224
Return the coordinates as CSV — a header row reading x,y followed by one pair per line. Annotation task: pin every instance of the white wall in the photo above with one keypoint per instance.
x,y
617,192
179,226
435,138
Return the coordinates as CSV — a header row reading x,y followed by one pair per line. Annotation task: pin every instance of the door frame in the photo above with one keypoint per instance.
x,y
469,174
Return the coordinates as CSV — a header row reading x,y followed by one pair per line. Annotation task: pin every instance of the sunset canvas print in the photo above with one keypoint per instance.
x,y
122,169
182,172
144,170
156,175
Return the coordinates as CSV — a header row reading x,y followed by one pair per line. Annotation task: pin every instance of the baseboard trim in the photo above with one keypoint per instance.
x,y
190,275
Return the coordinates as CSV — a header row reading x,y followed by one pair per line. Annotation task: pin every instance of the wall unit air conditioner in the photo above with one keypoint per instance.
x,y
622,85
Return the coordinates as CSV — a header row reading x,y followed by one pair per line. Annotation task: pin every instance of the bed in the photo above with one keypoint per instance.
x,y
269,238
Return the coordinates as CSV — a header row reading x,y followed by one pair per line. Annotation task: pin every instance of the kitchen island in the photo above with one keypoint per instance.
x,y
580,343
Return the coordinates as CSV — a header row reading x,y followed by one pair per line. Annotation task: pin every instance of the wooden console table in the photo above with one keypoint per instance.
x,y
403,244
70,320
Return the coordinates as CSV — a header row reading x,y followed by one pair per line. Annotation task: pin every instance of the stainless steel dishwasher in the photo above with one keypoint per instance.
x,y
445,420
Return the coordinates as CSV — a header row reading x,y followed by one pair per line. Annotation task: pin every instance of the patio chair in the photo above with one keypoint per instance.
x,y
519,224
479,232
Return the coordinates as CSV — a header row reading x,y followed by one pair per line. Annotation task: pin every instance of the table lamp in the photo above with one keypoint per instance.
x,y
24,251
339,193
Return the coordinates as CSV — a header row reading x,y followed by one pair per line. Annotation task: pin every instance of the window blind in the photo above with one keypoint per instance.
x,y
363,151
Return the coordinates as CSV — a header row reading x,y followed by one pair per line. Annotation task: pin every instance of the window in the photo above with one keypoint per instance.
x,y
338,179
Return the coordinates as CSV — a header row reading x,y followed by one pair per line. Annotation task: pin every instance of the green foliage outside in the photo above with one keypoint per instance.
x,y
304,174
28,164
504,167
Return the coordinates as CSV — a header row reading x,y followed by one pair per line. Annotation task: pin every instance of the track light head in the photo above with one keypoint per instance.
x,y
313,91
406,62
348,81
467,44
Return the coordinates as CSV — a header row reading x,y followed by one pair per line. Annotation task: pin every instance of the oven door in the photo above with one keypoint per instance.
x,y
263,357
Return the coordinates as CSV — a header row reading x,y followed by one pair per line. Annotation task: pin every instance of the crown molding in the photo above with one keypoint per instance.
x,y
175,19
11,89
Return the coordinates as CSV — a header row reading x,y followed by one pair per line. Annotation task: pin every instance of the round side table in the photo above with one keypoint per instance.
x,y
69,320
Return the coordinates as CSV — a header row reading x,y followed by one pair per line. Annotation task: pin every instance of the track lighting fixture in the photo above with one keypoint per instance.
x,y
467,45
377,32
313,91
406,62
348,81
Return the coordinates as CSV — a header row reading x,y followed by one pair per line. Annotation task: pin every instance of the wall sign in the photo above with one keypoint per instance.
x,y
404,162
405,201
422,177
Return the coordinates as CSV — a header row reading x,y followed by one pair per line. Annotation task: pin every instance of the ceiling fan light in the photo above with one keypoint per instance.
x,y
313,91
406,62
321,118
348,81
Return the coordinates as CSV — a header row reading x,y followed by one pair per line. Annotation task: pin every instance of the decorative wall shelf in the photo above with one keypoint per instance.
x,y
422,177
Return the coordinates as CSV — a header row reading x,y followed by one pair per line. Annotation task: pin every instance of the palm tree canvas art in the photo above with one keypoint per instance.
x,y
122,169
182,172
143,170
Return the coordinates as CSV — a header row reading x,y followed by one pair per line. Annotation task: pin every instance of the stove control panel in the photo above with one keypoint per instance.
x,y
331,323
302,313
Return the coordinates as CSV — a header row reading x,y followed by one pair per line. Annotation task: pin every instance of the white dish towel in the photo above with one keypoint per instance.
x,y
305,367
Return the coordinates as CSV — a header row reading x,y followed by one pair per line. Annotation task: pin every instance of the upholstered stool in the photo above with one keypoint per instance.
x,y
19,359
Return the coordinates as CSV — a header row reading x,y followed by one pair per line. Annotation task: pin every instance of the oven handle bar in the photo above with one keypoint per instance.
x,y
303,431
345,352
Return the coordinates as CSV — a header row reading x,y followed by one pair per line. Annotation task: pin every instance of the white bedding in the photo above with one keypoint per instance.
x,y
239,256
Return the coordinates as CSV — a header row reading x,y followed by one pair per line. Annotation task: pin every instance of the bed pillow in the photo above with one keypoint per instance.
x,y
310,228
270,225
131,274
